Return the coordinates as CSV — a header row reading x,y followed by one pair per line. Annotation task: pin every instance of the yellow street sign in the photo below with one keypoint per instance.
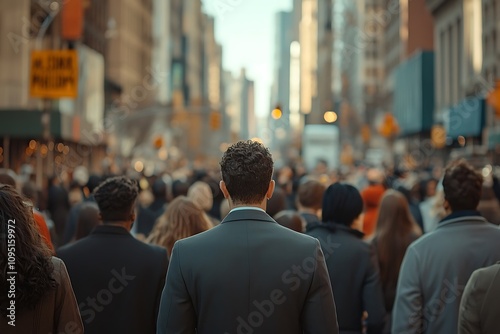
x,y
54,74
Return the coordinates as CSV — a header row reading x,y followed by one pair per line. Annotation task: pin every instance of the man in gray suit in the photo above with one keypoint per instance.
x,y
480,307
436,267
249,274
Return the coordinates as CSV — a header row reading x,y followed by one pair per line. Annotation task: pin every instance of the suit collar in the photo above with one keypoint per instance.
x,y
467,217
247,214
110,229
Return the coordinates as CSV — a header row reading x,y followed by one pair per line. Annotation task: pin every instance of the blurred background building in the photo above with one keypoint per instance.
x,y
393,76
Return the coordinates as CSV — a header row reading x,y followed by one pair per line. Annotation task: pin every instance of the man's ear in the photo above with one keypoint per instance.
x,y
222,186
446,206
270,189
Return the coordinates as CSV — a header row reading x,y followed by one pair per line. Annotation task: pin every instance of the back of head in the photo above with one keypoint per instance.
x,y
159,189
290,219
310,194
116,199
462,186
179,188
30,191
201,195
88,218
33,258
247,168
93,182
277,202
394,215
182,219
342,204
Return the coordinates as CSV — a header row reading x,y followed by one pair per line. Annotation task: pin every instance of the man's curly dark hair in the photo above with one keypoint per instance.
x,y
247,168
462,186
33,263
116,198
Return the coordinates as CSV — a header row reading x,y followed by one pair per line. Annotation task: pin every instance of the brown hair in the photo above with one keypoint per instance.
x,y
33,262
396,230
310,194
182,219
462,186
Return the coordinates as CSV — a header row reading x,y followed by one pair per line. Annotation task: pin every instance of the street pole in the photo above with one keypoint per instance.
x,y
45,103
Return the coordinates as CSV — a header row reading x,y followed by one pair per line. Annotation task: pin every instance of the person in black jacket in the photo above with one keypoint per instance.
x,y
351,262
117,279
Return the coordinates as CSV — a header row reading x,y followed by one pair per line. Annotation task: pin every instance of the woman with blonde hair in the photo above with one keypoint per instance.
x,y
182,219
396,230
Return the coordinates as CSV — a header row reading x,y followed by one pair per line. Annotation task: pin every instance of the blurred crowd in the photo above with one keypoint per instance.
x,y
374,214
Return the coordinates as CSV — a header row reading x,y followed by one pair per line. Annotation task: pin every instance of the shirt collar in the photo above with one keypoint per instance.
x,y
461,214
239,208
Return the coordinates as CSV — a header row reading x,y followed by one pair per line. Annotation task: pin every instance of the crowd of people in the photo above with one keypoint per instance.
x,y
251,248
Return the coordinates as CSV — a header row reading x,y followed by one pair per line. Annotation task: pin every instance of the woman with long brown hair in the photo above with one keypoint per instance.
x,y
35,290
182,219
396,230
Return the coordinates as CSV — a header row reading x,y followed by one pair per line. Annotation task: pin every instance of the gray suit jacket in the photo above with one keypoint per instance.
x,y
436,269
480,307
247,275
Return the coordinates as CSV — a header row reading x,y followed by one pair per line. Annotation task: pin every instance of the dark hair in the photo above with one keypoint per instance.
x,y
88,218
310,194
462,186
396,230
342,204
116,198
290,219
179,188
33,262
159,189
247,168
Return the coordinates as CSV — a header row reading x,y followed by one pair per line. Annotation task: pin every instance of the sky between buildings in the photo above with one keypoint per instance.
x,y
246,29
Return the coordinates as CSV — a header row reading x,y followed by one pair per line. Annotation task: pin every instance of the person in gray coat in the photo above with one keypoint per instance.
x,y
480,306
248,274
437,266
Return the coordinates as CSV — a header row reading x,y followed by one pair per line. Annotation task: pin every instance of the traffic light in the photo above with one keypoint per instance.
x,y
277,113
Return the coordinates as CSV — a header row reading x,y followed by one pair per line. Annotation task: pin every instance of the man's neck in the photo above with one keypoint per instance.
x,y
262,205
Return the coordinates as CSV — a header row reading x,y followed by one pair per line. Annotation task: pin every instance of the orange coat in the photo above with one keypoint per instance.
x,y
43,229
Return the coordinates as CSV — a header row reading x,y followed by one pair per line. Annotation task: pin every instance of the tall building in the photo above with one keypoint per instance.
x,y
240,97
280,95
129,53
460,88
408,27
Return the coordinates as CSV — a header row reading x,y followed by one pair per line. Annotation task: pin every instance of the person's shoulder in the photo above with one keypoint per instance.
x,y
71,248
487,273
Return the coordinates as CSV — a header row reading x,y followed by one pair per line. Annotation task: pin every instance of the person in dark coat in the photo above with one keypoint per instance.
x,y
248,274
117,279
480,306
438,265
58,206
351,262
